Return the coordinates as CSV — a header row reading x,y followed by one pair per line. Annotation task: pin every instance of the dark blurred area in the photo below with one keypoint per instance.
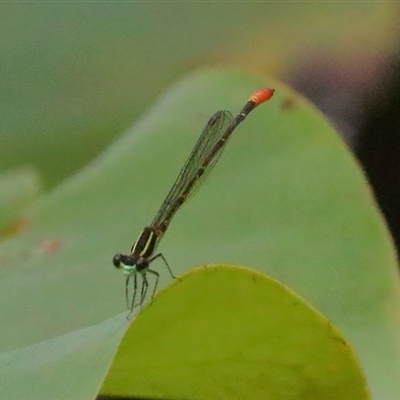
x,y
363,101
378,144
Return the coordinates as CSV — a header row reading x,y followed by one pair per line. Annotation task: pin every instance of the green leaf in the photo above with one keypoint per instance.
x,y
69,366
232,333
286,198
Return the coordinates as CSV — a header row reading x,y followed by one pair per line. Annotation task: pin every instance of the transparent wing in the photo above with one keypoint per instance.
x,y
199,163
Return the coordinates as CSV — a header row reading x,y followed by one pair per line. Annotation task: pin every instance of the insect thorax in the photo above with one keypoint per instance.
x,y
145,244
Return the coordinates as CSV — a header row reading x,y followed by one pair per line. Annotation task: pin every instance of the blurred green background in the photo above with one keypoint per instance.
x,y
75,75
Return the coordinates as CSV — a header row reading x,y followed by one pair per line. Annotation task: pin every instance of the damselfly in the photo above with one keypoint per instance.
x,y
203,157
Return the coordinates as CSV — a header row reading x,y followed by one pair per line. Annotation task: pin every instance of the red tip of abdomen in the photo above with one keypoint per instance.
x,y
262,95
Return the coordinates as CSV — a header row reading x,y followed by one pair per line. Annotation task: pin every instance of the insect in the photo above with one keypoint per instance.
x,y
203,157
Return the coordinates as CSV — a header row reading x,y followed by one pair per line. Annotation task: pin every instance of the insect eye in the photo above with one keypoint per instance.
x,y
117,261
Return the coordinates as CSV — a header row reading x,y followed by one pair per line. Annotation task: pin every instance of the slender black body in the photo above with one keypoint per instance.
x,y
203,157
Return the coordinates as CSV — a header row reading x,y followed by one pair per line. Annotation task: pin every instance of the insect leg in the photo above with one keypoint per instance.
x,y
156,284
127,291
165,262
145,286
